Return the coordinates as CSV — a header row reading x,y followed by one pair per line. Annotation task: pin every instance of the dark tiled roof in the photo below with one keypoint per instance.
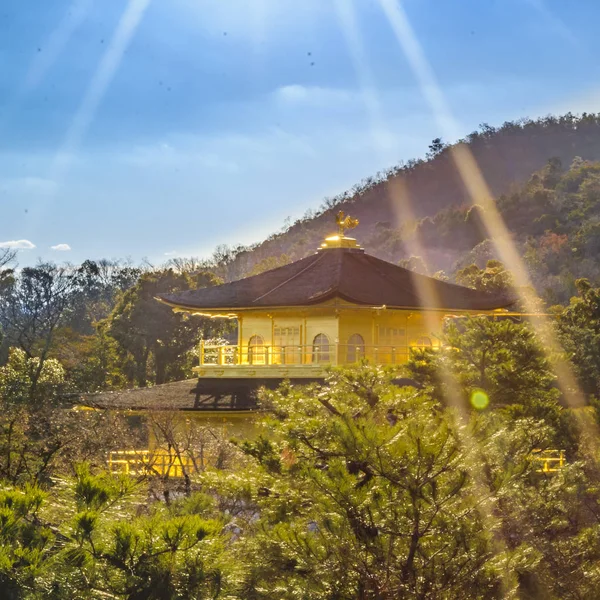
x,y
350,274
204,394
178,395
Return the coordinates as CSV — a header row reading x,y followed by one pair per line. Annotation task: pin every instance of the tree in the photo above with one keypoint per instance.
x,y
268,263
25,543
7,256
98,284
18,374
501,358
414,263
436,147
91,362
157,556
363,490
493,278
37,302
151,337
39,435
78,545
579,332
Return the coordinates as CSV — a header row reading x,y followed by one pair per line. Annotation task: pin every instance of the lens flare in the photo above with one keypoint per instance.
x,y
479,400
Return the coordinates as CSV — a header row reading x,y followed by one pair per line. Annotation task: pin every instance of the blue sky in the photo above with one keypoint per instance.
x,y
157,128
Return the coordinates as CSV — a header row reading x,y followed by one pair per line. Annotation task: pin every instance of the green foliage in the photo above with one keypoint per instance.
x,y
152,339
414,263
579,331
24,542
502,358
92,362
368,491
34,306
354,489
271,262
493,278
99,284
37,433
25,379
93,553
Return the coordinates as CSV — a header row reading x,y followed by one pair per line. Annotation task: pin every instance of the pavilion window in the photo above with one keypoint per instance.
x,y
286,341
356,348
256,350
320,348
424,342
392,336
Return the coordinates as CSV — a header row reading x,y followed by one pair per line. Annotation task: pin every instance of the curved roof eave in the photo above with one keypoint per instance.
x,y
325,298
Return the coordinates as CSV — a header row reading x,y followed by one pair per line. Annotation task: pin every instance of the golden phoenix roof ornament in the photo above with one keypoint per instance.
x,y
345,222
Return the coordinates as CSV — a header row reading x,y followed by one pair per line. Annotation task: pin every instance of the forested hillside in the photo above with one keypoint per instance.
x,y
507,156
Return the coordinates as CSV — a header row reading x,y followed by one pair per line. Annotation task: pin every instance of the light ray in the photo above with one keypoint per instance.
x,y
48,53
557,24
347,17
452,393
480,193
425,287
56,43
98,85
94,94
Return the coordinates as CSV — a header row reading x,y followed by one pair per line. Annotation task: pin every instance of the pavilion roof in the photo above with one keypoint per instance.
x,y
346,273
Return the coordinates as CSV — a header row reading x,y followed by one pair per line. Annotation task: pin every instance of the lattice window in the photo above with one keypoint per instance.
x,y
356,348
256,350
320,348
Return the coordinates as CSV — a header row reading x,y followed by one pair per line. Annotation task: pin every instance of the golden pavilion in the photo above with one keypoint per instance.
x,y
335,307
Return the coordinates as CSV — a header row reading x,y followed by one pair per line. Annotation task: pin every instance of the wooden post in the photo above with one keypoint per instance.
x,y
240,338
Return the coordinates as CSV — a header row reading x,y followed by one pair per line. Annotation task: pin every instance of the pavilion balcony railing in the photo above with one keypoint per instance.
x,y
145,462
549,461
334,354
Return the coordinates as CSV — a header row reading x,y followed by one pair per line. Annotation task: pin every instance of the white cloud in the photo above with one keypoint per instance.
x,y
170,156
232,153
18,245
171,253
61,247
314,95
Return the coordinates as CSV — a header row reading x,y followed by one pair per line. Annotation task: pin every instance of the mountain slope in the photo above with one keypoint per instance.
x,y
506,155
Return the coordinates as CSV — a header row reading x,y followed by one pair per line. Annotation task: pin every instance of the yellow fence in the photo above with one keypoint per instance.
x,y
551,460
144,462
331,354
168,464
